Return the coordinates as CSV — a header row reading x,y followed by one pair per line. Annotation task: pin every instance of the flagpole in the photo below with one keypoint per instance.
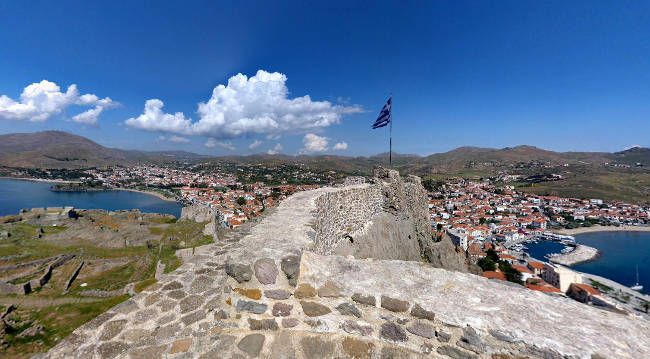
x,y
390,149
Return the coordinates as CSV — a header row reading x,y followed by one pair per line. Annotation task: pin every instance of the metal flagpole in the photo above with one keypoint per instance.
x,y
390,150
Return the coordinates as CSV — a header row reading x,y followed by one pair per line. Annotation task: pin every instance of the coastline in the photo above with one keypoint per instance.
x,y
38,179
110,189
581,254
597,228
145,192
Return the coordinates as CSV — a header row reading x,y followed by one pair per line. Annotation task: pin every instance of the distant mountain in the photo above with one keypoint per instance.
x,y
634,155
57,149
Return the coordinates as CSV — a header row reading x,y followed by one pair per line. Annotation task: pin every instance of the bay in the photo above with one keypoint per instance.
x,y
18,194
620,251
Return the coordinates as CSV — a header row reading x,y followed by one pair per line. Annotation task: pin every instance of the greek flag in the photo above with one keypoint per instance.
x,y
384,116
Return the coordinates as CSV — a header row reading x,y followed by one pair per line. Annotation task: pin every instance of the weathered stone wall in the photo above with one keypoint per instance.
x,y
387,219
342,213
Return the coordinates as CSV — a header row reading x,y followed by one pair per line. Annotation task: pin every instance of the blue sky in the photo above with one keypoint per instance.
x,y
565,76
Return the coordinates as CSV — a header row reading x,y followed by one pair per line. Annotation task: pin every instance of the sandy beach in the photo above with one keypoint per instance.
x,y
147,192
39,179
574,231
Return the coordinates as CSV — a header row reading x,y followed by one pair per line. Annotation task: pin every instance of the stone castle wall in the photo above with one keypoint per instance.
x,y
386,219
342,213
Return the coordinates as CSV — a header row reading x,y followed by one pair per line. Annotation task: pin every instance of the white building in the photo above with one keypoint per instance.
x,y
458,237
560,277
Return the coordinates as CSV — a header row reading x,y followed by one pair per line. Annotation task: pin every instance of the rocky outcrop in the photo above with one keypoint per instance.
x,y
387,219
201,213
264,293
197,213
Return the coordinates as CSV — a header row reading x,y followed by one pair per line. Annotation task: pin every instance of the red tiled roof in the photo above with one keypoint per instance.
x,y
494,275
587,288
522,269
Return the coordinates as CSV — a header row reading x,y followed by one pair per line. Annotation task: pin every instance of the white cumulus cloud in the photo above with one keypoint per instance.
x,y
254,145
179,139
154,119
246,106
275,150
42,100
340,146
213,142
313,143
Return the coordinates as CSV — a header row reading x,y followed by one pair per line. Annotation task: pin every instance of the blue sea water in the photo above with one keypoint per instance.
x,y
18,194
621,252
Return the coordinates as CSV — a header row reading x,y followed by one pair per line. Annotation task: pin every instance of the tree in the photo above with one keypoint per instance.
x,y
646,306
512,275
492,255
486,264
241,201
439,227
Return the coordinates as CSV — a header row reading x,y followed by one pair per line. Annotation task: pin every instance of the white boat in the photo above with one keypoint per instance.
x,y
637,286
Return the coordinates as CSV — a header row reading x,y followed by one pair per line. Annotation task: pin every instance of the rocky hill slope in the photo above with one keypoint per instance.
x,y
266,293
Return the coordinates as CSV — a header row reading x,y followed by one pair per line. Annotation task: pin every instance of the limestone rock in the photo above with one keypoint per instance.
x,y
364,299
281,309
252,307
350,326
455,353
443,336
266,271
304,290
470,340
393,332
240,272
264,324
313,309
181,346
291,267
394,305
357,348
111,329
317,348
349,309
422,313
251,344
278,294
290,322
255,294
191,303
422,329
330,289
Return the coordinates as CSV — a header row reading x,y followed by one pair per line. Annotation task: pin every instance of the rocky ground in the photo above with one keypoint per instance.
x,y
261,292
60,268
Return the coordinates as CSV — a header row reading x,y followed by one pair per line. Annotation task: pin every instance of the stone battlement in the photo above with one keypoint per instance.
x,y
280,290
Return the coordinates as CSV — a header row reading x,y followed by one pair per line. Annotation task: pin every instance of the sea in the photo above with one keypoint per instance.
x,y
18,194
621,253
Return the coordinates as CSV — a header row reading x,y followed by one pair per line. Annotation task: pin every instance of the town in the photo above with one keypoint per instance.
x,y
487,218
491,222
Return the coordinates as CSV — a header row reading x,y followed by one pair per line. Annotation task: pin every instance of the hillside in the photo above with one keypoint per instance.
x,y
57,149
623,175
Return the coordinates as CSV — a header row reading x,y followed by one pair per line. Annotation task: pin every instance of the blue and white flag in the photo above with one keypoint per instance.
x,y
385,115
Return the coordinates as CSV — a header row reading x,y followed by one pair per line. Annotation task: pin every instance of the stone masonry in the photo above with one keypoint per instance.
x,y
265,292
